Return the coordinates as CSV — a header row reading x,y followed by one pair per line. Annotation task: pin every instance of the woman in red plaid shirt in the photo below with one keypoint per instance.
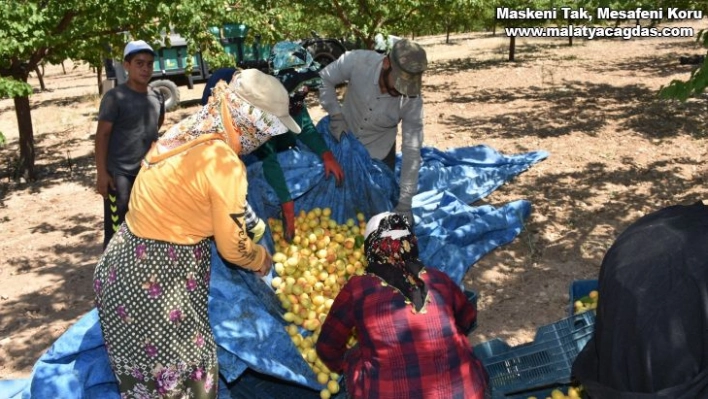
x,y
410,323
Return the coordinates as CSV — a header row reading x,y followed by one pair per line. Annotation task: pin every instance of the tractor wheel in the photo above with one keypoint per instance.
x,y
324,59
325,52
169,91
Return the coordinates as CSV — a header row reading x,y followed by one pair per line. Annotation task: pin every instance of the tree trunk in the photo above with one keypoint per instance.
x,y
570,37
447,34
63,68
512,47
24,122
40,77
99,77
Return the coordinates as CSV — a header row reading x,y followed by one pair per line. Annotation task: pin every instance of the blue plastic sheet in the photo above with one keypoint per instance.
x,y
369,186
245,315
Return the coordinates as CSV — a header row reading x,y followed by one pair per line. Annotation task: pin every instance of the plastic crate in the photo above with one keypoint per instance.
x,y
579,289
545,362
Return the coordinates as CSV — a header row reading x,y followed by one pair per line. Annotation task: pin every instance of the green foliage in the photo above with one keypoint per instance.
x,y
218,59
445,16
695,85
10,87
358,19
33,32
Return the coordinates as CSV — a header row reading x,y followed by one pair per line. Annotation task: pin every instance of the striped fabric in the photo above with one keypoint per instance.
x,y
251,218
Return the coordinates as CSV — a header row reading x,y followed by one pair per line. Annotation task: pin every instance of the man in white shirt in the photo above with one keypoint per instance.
x,y
383,91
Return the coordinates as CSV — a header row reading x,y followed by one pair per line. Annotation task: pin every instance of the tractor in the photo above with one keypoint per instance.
x,y
171,68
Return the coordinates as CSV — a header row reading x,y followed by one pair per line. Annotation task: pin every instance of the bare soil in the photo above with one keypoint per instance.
x,y
616,153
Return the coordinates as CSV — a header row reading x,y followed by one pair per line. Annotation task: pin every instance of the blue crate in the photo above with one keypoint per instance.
x,y
546,361
579,289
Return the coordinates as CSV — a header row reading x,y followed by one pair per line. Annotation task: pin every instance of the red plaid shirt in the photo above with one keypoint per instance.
x,y
401,353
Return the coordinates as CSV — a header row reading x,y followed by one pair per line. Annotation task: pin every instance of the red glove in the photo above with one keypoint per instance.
x,y
332,166
288,220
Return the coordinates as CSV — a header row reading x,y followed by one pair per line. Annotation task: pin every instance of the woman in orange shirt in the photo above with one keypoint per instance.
x,y
152,282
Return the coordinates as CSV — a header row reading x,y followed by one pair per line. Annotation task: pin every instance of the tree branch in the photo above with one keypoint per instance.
x,y
39,54
403,17
65,22
345,19
112,31
365,7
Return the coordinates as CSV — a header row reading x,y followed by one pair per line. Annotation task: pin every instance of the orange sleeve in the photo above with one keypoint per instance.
x,y
226,177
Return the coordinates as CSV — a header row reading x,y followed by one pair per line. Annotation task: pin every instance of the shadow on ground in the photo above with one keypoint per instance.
x,y
588,207
67,295
65,101
576,106
663,65
54,164
540,261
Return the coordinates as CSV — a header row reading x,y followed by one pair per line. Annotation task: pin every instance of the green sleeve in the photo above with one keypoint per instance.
x,y
273,172
268,153
309,135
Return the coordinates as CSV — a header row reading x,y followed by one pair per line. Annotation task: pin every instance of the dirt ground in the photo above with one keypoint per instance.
x,y
616,153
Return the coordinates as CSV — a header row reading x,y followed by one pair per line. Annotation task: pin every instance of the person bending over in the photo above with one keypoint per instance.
x,y
410,323
651,330
383,91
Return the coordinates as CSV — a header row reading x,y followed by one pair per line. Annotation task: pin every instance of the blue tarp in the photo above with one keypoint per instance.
x,y
244,314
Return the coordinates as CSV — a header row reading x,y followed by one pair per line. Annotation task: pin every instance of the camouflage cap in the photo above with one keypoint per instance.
x,y
408,62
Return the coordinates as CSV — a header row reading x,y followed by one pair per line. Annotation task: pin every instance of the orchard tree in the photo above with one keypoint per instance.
x,y
34,31
446,16
290,20
519,23
365,18
361,20
588,5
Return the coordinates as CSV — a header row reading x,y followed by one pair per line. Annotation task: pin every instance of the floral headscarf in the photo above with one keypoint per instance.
x,y
243,126
391,251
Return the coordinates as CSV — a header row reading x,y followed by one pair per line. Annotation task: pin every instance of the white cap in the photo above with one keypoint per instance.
x,y
266,93
135,46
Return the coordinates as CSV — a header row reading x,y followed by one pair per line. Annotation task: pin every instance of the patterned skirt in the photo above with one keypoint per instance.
x,y
152,304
